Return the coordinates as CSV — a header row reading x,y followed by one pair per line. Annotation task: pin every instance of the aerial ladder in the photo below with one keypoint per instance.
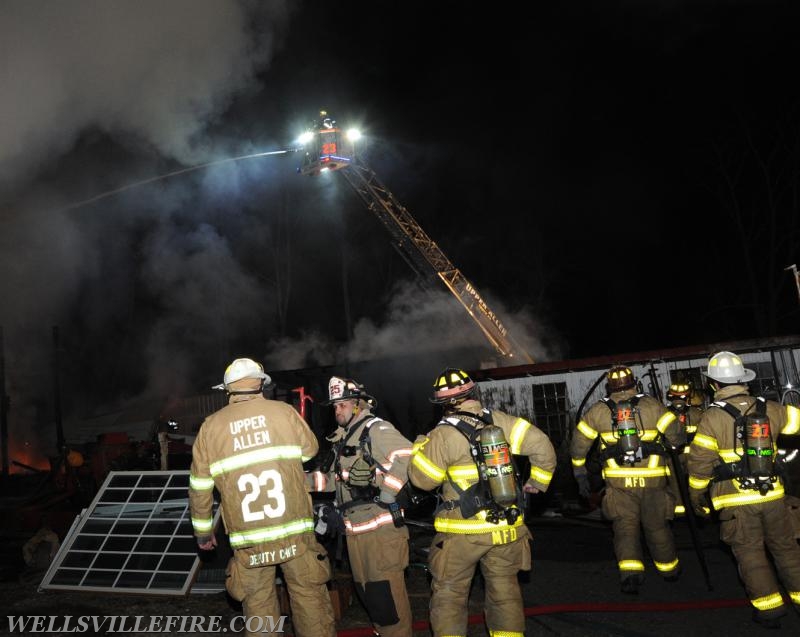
x,y
328,148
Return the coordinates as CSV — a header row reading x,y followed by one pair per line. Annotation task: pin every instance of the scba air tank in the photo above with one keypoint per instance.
x,y
499,467
760,452
627,432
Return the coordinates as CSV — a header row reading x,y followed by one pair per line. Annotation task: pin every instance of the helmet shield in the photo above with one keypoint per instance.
x,y
452,385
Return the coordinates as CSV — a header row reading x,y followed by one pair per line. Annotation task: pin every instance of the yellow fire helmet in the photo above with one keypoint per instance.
x,y
679,391
452,385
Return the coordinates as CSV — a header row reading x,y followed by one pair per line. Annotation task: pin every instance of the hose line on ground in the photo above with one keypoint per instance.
x,y
595,607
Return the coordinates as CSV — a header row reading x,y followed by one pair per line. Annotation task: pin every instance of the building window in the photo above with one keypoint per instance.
x,y
764,384
694,376
550,411
544,405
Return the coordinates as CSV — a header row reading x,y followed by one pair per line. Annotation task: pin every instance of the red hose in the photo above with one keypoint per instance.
x,y
598,607
605,607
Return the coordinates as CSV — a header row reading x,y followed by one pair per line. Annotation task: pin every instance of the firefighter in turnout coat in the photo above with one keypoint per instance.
x,y
252,451
472,526
635,468
749,496
369,469
679,402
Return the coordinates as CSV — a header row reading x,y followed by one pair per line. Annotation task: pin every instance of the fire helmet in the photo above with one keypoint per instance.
x,y
452,385
619,378
340,389
679,391
240,369
727,367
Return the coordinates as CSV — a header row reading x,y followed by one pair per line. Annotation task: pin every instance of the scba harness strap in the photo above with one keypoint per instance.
x,y
361,495
370,494
331,516
478,497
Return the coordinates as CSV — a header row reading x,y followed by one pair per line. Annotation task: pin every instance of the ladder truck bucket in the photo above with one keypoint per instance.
x,y
328,149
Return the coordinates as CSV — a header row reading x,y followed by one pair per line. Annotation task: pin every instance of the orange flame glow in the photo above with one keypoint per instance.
x,y
25,453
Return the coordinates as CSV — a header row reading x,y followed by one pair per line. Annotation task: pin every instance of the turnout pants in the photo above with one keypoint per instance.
x,y
650,508
748,529
674,487
453,559
305,577
378,560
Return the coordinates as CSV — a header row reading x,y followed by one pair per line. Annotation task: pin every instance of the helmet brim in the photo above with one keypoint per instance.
x,y
266,384
447,400
365,397
749,375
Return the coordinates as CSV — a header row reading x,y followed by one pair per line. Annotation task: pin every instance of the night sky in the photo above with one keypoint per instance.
x,y
613,177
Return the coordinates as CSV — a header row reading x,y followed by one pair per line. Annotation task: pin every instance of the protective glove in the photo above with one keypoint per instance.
x,y
360,474
699,503
329,520
582,478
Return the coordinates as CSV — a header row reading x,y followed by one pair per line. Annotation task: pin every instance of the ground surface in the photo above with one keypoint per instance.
x,y
573,565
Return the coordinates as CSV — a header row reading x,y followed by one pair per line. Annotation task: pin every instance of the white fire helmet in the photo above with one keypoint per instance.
x,y
727,367
340,389
243,368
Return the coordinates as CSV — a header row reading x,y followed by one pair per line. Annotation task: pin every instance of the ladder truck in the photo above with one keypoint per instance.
x,y
329,148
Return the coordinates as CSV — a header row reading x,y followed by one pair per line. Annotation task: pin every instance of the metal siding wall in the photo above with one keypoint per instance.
x,y
515,395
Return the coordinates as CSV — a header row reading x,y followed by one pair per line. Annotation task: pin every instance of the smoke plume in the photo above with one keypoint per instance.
x,y
96,94
154,72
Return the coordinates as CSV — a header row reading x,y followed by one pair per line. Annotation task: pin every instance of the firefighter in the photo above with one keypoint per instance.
x,y
369,469
734,456
252,451
681,401
630,427
478,522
